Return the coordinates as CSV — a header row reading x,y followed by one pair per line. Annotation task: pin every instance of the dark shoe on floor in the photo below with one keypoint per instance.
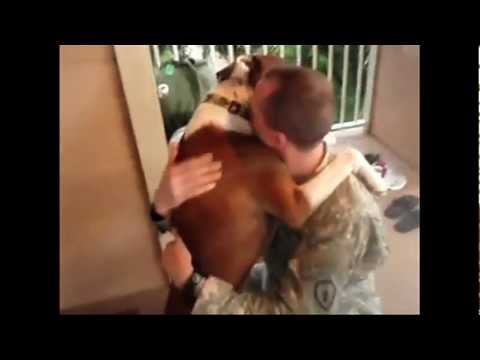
x,y
372,158
409,221
401,205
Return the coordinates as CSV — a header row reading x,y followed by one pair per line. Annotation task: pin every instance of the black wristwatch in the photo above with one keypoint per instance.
x,y
163,223
192,287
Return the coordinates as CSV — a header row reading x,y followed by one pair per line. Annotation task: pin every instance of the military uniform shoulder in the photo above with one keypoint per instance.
x,y
350,197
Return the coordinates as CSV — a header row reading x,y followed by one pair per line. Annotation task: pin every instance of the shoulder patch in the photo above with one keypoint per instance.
x,y
325,292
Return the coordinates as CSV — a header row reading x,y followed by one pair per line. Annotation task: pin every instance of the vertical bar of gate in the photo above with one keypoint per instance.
x,y
361,51
346,52
156,55
231,54
330,62
372,65
314,57
299,55
213,56
176,54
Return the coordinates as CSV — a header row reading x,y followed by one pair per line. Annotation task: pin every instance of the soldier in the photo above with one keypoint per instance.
x,y
341,244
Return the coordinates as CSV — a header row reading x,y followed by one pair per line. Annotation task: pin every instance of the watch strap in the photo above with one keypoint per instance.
x,y
192,287
162,222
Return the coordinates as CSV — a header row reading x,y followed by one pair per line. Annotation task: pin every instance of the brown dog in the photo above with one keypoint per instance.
x,y
226,229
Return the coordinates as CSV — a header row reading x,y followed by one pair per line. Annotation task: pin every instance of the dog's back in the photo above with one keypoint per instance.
x,y
226,229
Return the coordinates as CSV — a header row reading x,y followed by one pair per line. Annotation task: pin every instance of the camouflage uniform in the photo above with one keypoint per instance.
x,y
332,271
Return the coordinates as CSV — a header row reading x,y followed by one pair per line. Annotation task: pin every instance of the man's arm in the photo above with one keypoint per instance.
x,y
283,291
347,244
343,244
216,296
349,161
180,182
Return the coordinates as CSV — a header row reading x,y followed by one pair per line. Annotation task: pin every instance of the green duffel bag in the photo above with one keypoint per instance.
x,y
181,86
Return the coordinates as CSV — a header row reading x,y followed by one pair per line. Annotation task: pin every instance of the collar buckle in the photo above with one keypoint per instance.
x,y
234,107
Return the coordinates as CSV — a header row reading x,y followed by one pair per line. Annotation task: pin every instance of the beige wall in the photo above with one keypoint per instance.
x,y
396,105
107,245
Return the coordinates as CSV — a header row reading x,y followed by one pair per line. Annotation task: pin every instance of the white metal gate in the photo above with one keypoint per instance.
x,y
354,107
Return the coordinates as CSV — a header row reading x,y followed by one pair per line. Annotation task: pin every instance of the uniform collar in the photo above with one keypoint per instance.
x,y
325,160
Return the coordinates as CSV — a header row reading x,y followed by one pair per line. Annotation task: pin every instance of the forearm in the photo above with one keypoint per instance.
x,y
219,297
369,176
347,162
185,180
323,184
162,207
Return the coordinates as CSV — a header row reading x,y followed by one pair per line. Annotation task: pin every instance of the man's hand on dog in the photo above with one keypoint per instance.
x,y
177,262
185,180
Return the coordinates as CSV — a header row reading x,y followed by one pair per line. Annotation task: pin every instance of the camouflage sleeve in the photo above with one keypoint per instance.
x,y
331,274
219,297
332,283
344,243
377,250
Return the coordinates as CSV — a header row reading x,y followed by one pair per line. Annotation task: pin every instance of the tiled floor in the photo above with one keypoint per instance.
x,y
398,281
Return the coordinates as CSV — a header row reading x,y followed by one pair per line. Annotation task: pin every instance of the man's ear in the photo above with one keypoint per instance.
x,y
225,73
276,139
281,140
256,69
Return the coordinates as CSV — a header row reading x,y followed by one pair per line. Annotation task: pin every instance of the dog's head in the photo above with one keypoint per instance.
x,y
238,80
249,68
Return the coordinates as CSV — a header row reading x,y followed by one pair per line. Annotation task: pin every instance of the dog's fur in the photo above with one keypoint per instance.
x,y
226,229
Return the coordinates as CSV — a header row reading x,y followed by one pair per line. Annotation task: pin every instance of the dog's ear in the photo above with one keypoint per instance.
x,y
225,73
256,70
260,65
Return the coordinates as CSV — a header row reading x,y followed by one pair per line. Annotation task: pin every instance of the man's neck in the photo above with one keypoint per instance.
x,y
303,165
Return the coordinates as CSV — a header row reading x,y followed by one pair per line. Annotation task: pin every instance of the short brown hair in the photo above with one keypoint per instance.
x,y
302,106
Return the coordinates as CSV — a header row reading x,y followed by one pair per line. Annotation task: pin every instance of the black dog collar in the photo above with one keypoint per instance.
x,y
232,107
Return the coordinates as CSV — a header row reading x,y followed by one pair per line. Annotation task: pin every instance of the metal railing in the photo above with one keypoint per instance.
x,y
366,58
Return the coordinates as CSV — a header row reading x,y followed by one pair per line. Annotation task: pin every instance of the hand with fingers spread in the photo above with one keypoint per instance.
x,y
185,180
